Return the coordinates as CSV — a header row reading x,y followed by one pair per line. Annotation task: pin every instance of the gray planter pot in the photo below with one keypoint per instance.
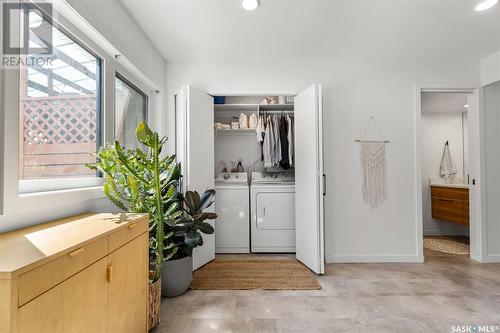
x,y
176,276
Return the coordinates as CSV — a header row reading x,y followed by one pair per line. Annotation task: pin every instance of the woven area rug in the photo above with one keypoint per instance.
x,y
446,246
247,274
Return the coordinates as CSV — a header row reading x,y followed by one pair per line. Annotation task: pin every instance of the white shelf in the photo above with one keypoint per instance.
x,y
252,107
236,107
235,131
276,107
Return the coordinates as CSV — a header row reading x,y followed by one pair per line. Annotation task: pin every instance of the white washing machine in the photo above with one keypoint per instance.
x,y
232,205
272,197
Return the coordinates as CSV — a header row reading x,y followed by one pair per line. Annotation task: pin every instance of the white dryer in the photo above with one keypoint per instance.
x,y
272,197
232,205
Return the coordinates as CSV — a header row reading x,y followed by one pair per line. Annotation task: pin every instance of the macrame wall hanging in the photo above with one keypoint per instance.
x,y
373,166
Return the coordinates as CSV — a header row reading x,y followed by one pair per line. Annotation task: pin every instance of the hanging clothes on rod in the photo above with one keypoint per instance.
x,y
275,136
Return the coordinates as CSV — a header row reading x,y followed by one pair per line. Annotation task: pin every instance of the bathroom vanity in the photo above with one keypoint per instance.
x,y
450,202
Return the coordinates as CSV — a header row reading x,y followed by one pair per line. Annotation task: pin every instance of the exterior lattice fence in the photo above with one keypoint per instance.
x,y
59,136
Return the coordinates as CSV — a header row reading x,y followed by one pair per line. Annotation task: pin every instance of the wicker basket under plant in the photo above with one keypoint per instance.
x,y
154,304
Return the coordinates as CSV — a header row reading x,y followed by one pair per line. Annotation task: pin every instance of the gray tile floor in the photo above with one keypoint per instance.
x,y
447,290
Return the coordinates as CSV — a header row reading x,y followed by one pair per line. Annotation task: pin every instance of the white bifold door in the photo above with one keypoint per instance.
x,y
195,152
310,180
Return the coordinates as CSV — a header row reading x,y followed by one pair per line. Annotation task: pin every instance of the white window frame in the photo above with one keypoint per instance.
x,y
122,74
68,196
30,186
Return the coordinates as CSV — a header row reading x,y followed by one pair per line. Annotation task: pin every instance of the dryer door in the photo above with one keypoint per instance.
x,y
275,211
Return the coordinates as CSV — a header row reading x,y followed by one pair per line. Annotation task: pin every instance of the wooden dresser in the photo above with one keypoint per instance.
x,y
450,204
87,273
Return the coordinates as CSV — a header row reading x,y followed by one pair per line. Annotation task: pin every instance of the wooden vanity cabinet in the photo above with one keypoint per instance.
x,y
87,273
450,204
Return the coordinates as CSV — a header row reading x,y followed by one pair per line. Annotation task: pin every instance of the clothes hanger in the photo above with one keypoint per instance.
x,y
372,120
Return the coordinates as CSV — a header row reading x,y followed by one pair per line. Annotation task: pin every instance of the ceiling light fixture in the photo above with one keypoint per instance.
x,y
253,4
485,4
466,106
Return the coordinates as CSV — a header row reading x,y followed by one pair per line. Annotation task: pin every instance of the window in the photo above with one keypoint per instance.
x,y
130,110
59,111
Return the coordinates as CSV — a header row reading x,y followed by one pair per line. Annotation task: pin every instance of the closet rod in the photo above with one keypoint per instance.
x,y
372,141
276,111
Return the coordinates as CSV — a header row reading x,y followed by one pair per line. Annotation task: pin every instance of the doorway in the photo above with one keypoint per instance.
x,y
448,187
195,123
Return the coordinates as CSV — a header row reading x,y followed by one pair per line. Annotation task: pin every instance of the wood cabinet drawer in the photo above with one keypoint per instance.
x,y
446,203
450,192
125,235
35,282
444,214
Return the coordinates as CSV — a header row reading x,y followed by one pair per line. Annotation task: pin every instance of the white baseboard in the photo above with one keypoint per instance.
x,y
493,258
372,259
231,250
438,232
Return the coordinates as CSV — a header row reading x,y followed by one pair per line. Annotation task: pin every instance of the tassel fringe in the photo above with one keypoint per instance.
x,y
373,166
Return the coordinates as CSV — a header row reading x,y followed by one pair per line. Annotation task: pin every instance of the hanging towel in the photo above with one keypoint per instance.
x,y
446,169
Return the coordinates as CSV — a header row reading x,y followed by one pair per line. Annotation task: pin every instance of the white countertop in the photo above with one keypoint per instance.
x,y
457,183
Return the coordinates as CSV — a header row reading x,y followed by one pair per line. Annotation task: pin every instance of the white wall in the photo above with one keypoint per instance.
x,y
490,69
436,129
491,172
229,148
358,87
367,53
32,209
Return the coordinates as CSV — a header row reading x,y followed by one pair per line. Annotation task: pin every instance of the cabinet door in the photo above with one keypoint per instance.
x,y
76,305
128,287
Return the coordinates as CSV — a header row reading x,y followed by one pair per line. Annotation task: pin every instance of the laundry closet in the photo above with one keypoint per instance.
x,y
264,157
254,174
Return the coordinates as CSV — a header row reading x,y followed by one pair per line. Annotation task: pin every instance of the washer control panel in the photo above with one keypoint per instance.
x,y
232,177
273,177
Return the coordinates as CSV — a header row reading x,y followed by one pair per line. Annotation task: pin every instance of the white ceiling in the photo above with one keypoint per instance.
x,y
403,31
444,102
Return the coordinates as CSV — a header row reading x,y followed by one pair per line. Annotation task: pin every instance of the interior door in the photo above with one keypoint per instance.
x,y
195,152
309,179
474,157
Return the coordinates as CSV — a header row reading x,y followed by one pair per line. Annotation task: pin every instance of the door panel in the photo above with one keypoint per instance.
x,y
272,213
309,179
197,157
474,144
128,285
70,306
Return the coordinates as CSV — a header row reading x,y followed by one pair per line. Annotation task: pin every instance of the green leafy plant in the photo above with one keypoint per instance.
x,y
139,181
188,227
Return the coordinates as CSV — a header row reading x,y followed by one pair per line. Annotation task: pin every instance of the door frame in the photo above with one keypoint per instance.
x,y
171,100
476,91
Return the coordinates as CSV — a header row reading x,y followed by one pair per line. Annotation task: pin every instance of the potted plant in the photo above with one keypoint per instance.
x,y
140,181
187,230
